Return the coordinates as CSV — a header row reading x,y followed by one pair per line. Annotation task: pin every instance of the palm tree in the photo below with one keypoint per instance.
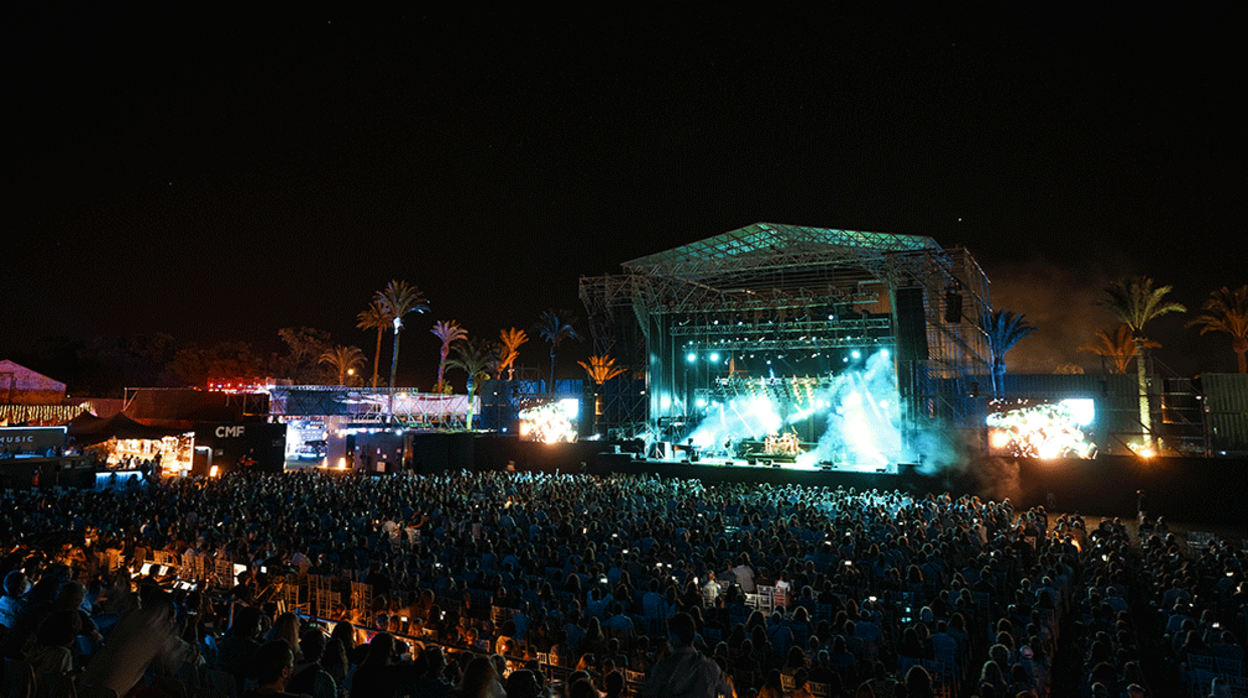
x,y
600,370
1119,347
343,360
375,318
448,332
398,299
1004,330
1135,302
509,350
474,356
555,327
1227,311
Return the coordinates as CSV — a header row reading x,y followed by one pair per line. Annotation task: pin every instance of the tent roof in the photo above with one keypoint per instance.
x,y
89,429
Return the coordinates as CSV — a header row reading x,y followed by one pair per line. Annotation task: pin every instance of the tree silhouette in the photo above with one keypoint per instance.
x,y
447,331
509,350
1118,347
474,356
342,360
600,369
1004,330
375,318
306,344
1227,311
1135,303
554,327
398,299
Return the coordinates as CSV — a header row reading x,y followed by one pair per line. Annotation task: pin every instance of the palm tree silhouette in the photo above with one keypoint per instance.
x,y
474,356
1004,330
343,360
1227,311
555,327
600,369
375,318
1119,347
398,299
1135,303
447,331
509,350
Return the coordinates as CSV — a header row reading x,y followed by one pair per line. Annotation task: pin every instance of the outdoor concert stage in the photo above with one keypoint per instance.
x,y
779,341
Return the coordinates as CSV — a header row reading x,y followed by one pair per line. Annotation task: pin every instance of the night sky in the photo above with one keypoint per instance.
x,y
219,178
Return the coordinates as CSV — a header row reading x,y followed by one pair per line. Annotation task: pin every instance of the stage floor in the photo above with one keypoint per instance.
x,y
719,470
764,462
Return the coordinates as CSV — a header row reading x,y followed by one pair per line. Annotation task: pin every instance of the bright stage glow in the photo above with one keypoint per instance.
x,y
1142,450
550,422
1040,429
864,424
861,408
744,417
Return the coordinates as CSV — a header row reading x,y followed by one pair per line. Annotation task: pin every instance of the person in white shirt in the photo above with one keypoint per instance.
x,y
710,590
744,574
784,589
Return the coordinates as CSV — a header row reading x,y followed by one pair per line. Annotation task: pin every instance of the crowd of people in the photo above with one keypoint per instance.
x,y
528,584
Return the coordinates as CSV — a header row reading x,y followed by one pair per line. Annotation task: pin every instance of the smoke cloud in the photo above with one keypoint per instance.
x,y
864,424
863,417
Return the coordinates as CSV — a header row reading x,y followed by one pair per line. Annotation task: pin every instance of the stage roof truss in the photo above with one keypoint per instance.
x,y
809,334
796,387
769,266
763,246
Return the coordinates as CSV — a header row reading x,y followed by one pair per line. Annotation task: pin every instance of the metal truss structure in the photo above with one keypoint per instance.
x,y
770,289
413,410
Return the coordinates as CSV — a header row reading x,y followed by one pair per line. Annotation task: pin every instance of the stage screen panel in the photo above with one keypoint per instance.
x,y
1042,428
550,422
845,416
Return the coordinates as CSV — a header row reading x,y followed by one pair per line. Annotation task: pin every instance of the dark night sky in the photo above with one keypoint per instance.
x,y
222,177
